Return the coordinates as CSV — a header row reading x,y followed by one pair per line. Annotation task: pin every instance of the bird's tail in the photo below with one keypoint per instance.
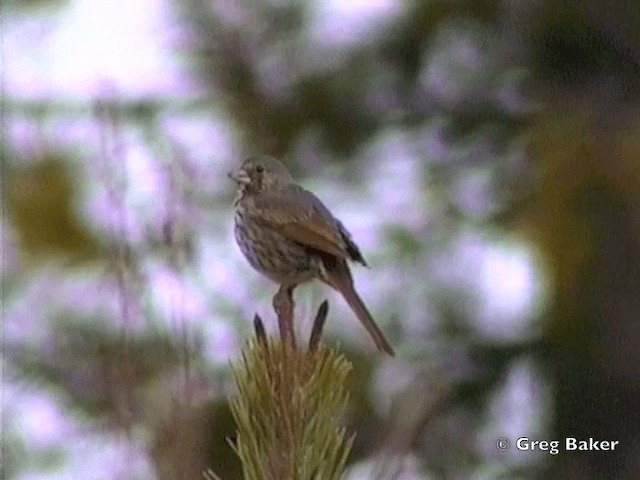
x,y
339,277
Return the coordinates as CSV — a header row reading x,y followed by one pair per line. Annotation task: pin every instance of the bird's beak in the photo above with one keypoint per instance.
x,y
240,176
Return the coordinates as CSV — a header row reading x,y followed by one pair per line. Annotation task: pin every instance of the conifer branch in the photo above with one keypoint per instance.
x,y
288,408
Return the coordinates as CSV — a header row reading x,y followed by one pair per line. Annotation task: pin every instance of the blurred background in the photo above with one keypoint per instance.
x,y
484,154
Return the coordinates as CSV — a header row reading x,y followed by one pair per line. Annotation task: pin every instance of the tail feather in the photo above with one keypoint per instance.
x,y
340,278
361,311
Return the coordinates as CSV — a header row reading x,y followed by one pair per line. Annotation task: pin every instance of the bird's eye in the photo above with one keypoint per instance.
x,y
260,169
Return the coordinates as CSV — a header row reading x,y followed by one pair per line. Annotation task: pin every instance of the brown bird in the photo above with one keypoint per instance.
x,y
288,235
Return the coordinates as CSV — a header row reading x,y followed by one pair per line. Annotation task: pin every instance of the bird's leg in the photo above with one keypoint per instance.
x,y
283,306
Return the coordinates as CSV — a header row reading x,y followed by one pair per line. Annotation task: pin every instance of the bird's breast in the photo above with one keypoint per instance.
x,y
272,253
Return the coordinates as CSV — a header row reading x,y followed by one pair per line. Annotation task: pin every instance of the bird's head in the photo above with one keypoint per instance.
x,y
257,174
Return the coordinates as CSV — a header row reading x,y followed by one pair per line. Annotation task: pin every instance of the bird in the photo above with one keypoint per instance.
x,y
288,235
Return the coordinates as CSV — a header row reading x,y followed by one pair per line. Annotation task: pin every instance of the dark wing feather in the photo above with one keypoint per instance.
x,y
303,218
352,248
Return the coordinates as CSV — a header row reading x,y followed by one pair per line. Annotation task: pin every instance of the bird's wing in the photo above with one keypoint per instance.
x,y
301,216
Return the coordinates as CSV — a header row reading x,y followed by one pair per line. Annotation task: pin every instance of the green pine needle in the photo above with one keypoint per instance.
x,y
288,412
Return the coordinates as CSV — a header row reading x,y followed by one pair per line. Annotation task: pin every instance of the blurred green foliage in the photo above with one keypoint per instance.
x,y
41,203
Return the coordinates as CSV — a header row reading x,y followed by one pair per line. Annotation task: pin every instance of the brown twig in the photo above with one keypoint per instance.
x,y
283,305
318,326
261,333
